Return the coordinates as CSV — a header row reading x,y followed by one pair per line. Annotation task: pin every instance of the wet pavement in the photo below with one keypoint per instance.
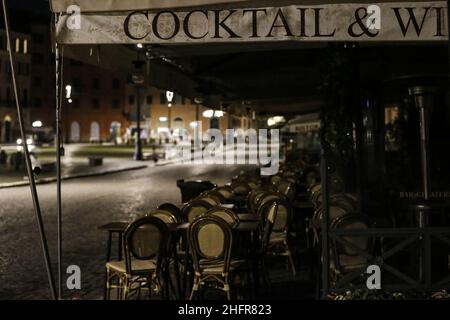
x,y
87,203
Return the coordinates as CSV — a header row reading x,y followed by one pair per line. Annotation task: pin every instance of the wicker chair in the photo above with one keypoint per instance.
x,y
209,197
195,208
211,240
344,258
172,209
164,215
266,198
226,214
145,250
278,244
241,188
225,191
265,239
252,198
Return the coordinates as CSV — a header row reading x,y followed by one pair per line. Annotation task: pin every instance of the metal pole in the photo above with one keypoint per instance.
x,y
138,155
422,97
37,208
324,227
58,168
169,117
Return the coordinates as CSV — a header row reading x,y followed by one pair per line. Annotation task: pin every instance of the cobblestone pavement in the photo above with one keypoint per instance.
x,y
87,203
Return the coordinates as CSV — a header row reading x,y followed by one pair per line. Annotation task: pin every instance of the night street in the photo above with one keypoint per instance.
x,y
88,203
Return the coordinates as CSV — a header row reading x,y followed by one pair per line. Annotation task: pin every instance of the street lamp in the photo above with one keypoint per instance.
x,y
138,79
169,97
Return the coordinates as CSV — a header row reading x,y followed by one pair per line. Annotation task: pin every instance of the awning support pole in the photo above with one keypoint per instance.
x,y
37,208
324,226
58,166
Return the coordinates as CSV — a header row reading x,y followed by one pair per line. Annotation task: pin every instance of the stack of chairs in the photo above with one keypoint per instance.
x,y
343,214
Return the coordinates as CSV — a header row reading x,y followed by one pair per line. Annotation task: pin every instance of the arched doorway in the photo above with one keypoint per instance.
x,y
95,132
115,131
178,123
214,123
75,132
8,130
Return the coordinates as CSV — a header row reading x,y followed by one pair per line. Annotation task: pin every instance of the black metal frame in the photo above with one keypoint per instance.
x,y
421,236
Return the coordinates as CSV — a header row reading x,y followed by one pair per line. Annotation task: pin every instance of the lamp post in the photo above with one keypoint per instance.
x,y
169,97
423,99
138,79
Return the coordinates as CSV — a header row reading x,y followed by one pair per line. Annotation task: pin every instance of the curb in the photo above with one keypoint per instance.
x,y
69,177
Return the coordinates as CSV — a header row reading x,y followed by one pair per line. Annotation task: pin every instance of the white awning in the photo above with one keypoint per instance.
x,y
91,23
129,5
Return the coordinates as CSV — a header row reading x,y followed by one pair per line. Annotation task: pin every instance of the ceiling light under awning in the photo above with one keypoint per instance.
x,y
275,120
213,114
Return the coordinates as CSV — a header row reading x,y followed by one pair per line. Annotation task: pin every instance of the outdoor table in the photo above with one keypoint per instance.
x,y
114,227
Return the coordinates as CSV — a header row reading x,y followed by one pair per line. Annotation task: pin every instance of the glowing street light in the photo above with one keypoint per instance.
x,y
37,124
68,91
169,95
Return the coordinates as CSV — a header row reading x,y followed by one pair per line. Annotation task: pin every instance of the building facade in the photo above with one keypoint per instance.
x,y
9,124
97,105
161,119
93,103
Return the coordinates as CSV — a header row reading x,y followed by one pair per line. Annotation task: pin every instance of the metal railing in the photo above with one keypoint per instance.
x,y
389,242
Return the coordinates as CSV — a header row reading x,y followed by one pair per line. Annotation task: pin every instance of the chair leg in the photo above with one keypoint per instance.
x,y
226,288
119,288
266,277
291,261
126,288
149,284
195,287
107,285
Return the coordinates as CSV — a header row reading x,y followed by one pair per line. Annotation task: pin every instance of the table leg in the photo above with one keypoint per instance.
x,y
120,247
255,249
108,247
108,257
177,268
186,265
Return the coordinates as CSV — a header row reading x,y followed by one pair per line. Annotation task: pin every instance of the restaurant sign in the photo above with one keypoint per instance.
x,y
395,21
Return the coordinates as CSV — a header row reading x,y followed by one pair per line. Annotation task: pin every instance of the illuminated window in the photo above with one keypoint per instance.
x,y
25,46
17,45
